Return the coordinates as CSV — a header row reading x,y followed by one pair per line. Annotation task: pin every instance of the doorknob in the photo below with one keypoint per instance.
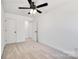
x,y
14,31
36,31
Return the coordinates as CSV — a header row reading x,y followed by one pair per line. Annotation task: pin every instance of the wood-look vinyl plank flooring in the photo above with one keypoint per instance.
x,y
32,50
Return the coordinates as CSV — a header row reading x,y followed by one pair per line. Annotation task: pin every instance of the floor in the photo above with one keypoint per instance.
x,y
32,50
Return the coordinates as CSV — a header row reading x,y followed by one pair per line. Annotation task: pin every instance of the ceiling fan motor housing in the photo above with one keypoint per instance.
x,y
33,6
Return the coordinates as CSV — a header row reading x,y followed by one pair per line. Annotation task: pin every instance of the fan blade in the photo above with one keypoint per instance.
x,y
24,8
39,11
30,2
42,5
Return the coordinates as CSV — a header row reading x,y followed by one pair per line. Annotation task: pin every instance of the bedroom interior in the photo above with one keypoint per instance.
x,y
39,29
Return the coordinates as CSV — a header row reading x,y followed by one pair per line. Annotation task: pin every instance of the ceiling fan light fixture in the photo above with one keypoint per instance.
x,y
34,11
31,11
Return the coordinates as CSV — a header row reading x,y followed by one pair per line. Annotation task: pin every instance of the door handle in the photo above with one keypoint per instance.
x,y
14,31
36,31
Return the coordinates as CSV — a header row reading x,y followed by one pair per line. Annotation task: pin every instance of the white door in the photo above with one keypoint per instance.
x,y
20,30
35,31
11,30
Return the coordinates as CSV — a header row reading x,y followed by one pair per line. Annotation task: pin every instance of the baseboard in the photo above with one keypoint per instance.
x,y
66,52
61,50
2,49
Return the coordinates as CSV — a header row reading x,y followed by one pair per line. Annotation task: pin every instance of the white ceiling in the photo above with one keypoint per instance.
x,y
11,6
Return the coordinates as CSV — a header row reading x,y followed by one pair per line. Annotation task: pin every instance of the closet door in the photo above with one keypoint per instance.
x,y
11,30
35,31
20,30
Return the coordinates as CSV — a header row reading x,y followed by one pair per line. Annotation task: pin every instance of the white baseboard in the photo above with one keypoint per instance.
x,y
62,50
66,52
2,49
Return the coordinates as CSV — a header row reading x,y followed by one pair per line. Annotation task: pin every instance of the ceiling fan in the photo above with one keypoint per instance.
x,y
33,7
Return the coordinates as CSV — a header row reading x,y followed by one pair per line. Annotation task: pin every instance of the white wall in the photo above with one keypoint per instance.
x,y
58,27
2,29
